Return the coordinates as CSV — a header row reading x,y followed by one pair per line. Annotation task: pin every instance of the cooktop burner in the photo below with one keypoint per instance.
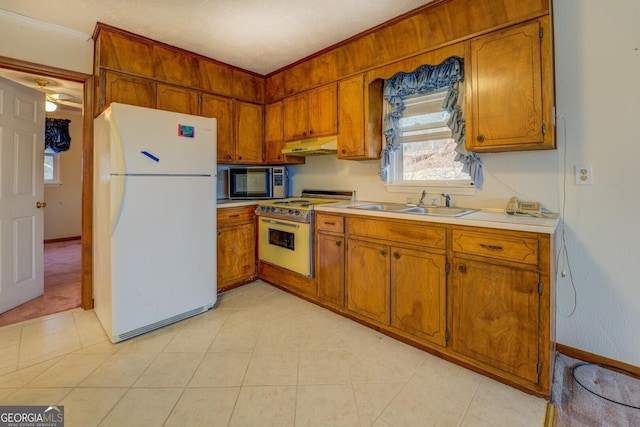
x,y
299,208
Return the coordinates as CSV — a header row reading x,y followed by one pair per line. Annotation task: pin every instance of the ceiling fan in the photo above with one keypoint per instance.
x,y
53,99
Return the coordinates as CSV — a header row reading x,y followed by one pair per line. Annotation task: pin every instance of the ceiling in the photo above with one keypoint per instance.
x,y
256,35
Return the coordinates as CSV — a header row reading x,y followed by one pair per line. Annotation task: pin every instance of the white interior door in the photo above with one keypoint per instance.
x,y
22,125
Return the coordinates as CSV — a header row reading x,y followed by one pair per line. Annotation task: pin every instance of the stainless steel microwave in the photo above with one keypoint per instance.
x,y
258,182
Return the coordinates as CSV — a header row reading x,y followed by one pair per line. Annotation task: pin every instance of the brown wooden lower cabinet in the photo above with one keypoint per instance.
x,y
236,246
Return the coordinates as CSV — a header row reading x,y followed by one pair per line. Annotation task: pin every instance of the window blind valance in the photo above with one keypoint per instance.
x,y
56,135
425,79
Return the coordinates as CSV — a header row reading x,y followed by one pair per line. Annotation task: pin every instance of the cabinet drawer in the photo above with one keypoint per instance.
x,y
410,233
334,223
236,215
506,247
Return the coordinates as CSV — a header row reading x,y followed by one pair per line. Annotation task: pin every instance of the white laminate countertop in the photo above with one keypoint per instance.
x,y
480,218
227,203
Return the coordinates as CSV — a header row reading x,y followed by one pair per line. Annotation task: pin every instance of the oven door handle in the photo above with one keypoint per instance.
x,y
284,224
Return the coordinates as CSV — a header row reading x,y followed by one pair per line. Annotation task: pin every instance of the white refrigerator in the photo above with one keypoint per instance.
x,y
154,230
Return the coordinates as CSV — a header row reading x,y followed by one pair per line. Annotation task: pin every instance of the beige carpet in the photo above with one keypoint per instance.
x,y
62,288
579,405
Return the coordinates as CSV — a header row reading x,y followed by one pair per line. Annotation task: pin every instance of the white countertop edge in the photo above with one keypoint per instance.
x,y
487,218
227,203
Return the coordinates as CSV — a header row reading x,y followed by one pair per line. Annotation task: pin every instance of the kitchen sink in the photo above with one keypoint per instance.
x,y
438,211
389,207
421,210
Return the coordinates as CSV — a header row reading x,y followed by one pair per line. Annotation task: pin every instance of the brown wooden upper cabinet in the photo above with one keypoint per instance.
x,y
311,114
360,118
125,89
509,90
274,136
221,108
177,99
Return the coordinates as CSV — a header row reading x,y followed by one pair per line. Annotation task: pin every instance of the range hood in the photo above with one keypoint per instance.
x,y
312,147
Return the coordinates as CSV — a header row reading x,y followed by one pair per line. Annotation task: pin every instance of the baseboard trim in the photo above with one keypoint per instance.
x,y
550,415
63,239
595,358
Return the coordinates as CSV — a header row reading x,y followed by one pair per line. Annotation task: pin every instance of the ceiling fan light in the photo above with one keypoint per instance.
x,y
50,106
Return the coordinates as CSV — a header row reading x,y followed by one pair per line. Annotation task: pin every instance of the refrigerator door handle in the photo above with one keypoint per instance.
x,y
116,198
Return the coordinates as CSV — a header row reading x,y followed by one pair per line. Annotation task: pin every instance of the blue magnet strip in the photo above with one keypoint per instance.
x,y
151,156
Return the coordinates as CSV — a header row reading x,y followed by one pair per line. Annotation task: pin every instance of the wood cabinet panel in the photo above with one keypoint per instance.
x,y
274,136
236,254
174,66
227,217
222,109
368,280
399,231
125,89
295,115
215,77
331,223
311,114
330,262
126,54
177,99
418,294
248,87
496,316
505,91
359,118
501,246
249,132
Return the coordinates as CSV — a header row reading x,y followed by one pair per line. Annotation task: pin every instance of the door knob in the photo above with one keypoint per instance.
x,y
41,205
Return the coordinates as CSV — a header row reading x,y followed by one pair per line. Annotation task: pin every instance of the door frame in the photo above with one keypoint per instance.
x,y
87,161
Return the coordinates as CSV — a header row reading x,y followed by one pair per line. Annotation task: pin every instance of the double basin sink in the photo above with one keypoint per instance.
x,y
420,210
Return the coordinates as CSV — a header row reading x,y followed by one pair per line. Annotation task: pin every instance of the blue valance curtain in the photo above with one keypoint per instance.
x,y
56,135
429,78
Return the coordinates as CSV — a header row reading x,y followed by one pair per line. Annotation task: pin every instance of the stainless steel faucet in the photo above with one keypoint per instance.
x,y
447,200
424,194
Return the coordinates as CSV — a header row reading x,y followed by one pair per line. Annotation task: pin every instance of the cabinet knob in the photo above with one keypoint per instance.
x,y
343,151
219,233
396,255
383,252
304,133
239,157
462,268
338,243
480,138
311,132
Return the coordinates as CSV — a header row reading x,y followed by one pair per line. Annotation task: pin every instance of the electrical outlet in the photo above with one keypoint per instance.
x,y
584,175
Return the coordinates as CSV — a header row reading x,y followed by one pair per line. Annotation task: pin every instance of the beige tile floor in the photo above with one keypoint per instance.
x,y
262,358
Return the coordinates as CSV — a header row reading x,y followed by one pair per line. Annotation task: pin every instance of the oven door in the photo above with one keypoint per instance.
x,y
286,244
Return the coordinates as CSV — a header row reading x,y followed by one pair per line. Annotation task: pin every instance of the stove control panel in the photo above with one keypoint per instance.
x,y
284,213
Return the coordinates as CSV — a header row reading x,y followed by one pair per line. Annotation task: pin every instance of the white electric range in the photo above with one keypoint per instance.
x,y
285,228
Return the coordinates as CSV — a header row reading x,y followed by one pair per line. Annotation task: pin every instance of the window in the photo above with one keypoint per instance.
x,y
51,167
427,149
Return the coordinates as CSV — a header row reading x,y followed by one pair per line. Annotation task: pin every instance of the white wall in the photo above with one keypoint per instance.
x,y
597,91
45,44
63,215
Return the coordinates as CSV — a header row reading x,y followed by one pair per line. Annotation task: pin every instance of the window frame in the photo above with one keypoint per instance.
x,y
395,184
55,181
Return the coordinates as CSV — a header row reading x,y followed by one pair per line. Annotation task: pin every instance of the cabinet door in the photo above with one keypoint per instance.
x,y
496,316
368,280
351,118
221,108
296,117
330,269
505,92
236,254
177,99
323,111
249,132
274,136
125,89
418,294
